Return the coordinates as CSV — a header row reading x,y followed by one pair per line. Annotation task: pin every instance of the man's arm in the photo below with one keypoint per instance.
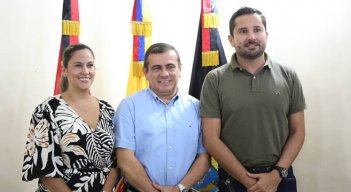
x,y
197,170
133,171
270,181
55,184
195,173
222,154
295,140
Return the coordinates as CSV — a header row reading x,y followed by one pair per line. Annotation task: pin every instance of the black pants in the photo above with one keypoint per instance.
x,y
226,183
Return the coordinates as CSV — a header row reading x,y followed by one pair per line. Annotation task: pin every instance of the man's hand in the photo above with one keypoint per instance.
x,y
166,188
266,182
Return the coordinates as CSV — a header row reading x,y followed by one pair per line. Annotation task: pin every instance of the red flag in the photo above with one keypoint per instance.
x,y
121,185
70,34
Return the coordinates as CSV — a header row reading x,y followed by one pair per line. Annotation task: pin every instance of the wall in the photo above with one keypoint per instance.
x,y
310,36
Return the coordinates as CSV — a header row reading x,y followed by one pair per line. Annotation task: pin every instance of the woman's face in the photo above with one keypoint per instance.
x,y
80,71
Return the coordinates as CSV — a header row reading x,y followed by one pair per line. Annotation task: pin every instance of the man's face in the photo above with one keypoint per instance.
x,y
249,36
163,73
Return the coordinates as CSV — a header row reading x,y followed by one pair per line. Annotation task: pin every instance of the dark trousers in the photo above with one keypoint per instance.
x,y
226,183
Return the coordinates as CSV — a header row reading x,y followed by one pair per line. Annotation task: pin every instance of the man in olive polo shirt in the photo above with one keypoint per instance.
x,y
253,112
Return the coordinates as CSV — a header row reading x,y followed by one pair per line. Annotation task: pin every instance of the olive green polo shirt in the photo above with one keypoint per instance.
x,y
253,109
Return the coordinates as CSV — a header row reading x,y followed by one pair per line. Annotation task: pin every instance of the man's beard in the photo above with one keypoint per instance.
x,y
251,54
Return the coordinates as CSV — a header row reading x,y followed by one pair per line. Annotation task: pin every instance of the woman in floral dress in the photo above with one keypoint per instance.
x,y
70,139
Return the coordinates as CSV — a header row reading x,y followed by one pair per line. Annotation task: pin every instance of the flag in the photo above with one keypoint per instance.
x,y
209,52
121,184
70,34
141,28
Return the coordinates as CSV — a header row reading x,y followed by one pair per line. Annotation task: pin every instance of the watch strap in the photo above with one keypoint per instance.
x,y
181,187
283,172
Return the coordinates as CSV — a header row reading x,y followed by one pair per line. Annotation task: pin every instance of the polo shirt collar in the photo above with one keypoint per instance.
x,y
234,62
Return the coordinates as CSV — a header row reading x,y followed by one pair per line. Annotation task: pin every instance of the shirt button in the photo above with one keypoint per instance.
x,y
170,146
170,168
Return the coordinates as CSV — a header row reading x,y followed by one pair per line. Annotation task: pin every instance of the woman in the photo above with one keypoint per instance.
x,y
70,140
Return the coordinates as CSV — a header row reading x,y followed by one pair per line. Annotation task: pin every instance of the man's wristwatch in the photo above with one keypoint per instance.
x,y
283,173
182,188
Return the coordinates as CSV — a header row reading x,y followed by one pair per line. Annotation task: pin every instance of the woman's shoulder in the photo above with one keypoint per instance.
x,y
49,101
105,104
49,105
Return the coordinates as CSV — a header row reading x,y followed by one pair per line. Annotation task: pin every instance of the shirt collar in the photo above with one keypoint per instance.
x,y
158,99
235,65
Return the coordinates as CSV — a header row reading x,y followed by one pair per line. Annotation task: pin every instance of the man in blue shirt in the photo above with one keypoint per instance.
x,y
158,130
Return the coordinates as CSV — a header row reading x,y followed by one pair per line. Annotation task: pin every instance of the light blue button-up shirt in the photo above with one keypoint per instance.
x,y
165,138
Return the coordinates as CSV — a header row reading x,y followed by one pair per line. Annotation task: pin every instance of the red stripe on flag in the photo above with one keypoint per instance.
x,y
74,10
58,73
134,11
207,6
135,48
206,41
73,39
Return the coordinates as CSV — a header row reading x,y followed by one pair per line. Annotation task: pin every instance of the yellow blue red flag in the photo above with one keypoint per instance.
x,y
141,28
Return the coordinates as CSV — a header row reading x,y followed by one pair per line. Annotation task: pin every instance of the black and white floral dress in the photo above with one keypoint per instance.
x,y
61,144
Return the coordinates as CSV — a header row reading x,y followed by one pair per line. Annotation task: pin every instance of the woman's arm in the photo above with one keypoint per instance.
x,y
55,184
111,180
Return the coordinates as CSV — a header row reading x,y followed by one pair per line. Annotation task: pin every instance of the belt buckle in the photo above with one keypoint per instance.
x,y
263,169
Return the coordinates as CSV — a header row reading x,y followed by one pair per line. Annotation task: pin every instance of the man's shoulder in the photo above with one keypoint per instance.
x,y
277,66
222,68
220,71
138,95
188,99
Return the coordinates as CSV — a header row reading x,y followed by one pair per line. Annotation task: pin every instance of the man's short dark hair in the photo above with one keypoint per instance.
x,y
158,48
245,11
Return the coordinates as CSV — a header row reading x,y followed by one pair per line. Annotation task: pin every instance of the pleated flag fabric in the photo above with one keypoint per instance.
x,y
209,52
70,34
141,27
